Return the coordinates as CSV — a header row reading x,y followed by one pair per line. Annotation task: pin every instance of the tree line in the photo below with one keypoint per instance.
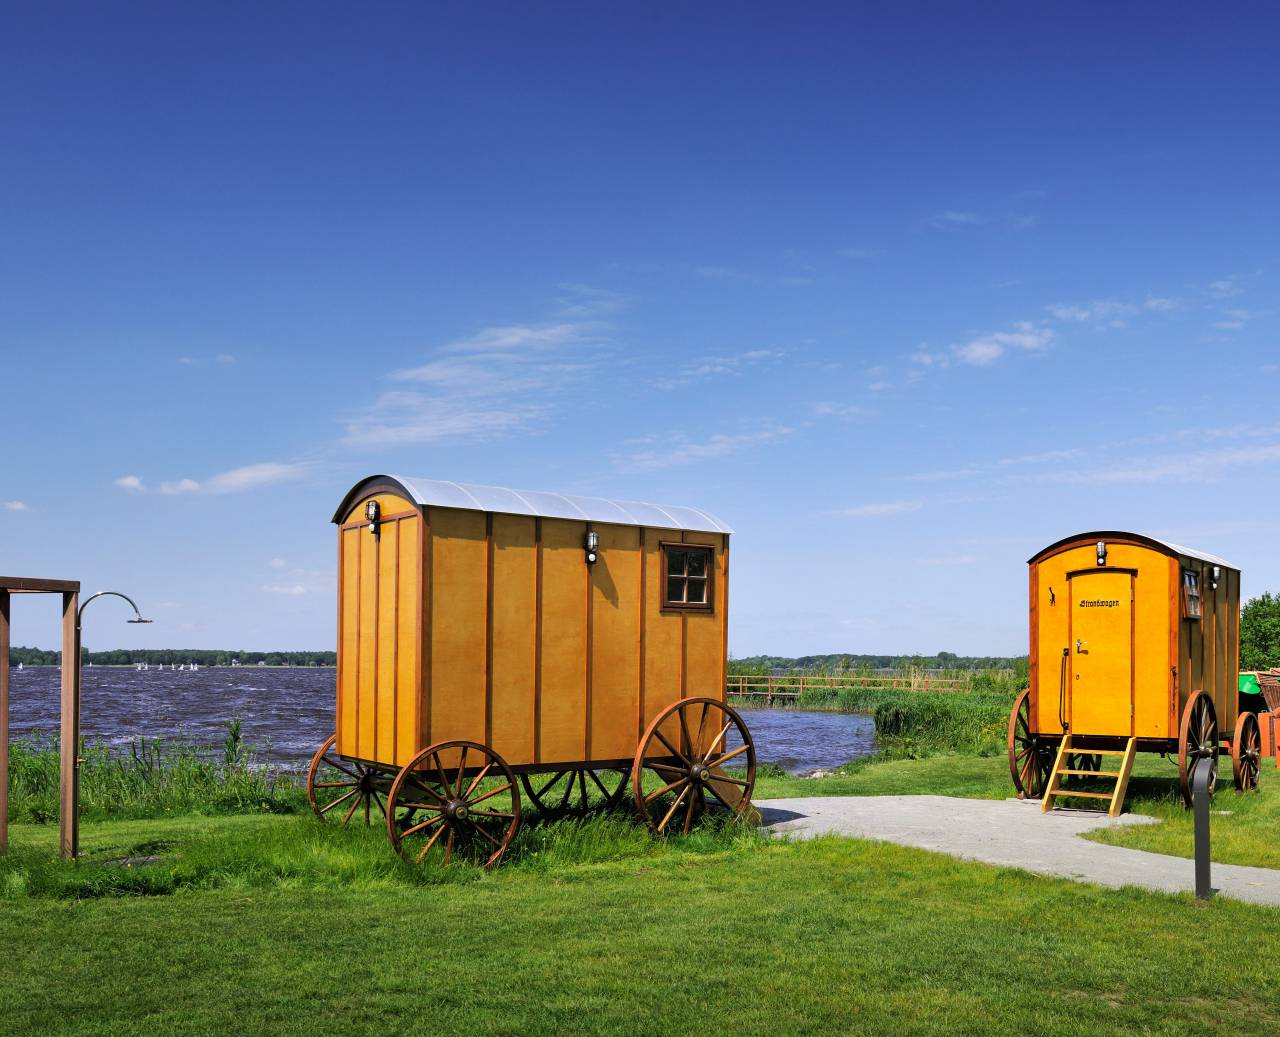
x,y
174,657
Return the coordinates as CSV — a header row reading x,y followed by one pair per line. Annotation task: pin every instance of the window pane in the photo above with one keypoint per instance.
x,y
697,591
676,562
697,563
675,590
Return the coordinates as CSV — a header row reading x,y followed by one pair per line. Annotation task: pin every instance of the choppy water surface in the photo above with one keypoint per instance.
x,y
288,712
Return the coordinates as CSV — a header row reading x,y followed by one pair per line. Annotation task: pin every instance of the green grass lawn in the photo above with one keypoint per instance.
x,y
281,925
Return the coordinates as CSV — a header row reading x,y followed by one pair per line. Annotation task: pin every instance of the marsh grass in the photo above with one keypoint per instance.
x,y
150,777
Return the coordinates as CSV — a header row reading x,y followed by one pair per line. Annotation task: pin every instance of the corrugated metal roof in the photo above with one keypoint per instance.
x,y
1191,552
445,494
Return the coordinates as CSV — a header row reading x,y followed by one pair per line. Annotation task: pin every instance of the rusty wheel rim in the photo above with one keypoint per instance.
x,y
340,788
1197,740
1030,756
1246,753
575,791
689,744
446,811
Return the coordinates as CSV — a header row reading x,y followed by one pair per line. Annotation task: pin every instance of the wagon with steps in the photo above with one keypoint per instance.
x,y
497,648
1134,647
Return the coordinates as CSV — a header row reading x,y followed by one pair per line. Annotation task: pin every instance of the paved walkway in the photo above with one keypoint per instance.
x,y
1013,833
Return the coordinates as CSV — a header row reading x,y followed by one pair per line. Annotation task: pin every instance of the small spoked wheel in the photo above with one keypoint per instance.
x,y
1246,752
684,752
1030,756
575,791
454,801
1197,740
339,788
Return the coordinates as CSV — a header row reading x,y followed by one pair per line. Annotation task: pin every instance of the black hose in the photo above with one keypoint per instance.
x,y
1062,692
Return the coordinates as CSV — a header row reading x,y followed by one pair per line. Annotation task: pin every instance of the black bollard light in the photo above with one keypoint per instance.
x,y
1201,799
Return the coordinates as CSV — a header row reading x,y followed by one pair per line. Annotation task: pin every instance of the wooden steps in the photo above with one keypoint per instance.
x,y
1115,798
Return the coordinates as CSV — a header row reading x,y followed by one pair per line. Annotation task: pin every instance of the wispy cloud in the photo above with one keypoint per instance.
x,y
729,366
295,581
1113,313
584,301
949,560
133,483
502,379
951,219
840,409
731,274
899,507
1226,288
219,359
649,453
1202,466
1234,319
16,505
237,480
984,350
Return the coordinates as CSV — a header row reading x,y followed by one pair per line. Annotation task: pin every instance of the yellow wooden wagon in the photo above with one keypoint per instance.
x,y
490,639
1134,647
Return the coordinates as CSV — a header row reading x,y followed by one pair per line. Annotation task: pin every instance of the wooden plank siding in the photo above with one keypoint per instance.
x,y
460,624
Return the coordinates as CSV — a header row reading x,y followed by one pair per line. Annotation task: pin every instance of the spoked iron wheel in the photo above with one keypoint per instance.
x,y
335,784
454,801
1030,756
1197,740
1246,752
688,742
575,791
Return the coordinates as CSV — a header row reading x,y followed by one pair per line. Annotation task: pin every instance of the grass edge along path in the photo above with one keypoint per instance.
x,y
826,936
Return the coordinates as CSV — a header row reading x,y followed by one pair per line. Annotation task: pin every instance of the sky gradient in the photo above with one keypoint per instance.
x,y
901,293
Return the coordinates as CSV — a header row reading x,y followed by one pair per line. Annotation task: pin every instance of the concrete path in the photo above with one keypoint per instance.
x,y
1013,833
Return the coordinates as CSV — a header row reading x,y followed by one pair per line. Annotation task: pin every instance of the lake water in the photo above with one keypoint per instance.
x,y
287,712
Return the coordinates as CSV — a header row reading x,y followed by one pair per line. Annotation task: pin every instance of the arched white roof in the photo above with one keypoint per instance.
x,y
1111,534
472,497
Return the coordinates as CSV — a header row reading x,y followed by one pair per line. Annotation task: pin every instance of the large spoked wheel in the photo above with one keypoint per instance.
x,y
1197,740
684,752
1030,756
334,783
1246,753
575,791
454,801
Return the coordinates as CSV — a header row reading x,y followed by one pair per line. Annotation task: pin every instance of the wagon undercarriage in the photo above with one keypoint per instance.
x,y
459,799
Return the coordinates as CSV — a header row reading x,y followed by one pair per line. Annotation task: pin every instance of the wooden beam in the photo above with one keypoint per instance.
x,y
4,721
69,742
30,584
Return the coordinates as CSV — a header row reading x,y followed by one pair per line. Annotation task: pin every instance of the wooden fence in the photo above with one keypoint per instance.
x,y
790,688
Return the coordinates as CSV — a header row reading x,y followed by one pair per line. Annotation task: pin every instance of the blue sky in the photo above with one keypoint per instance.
x,y
901,292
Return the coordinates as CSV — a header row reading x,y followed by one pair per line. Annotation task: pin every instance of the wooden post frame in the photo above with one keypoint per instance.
x,y
69,742
4,721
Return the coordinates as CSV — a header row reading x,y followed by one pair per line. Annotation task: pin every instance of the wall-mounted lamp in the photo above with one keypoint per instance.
x,y
592,545
1215,576
1102,553
372,511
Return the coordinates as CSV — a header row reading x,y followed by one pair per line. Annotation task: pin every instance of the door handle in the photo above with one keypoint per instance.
x,y
1080,646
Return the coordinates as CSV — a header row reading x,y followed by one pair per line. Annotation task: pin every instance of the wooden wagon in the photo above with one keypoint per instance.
x,y
491,640
1134,647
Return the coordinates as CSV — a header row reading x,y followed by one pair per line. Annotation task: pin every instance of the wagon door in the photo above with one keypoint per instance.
x,y
1100,696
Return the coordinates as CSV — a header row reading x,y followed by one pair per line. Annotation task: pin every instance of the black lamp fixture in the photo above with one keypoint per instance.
x,y
372,512
592,545
1102,553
